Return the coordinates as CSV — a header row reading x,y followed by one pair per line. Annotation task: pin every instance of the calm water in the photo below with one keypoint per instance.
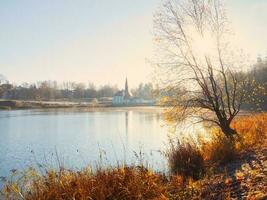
x,y
79,138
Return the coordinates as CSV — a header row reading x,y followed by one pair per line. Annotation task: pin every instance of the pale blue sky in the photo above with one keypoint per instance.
x,y
100,41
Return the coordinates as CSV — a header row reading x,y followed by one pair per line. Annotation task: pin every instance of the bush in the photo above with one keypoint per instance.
x,y
185,159
220,150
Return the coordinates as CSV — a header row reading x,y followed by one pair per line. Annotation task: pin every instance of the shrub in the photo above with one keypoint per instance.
x,y
220,150
185,159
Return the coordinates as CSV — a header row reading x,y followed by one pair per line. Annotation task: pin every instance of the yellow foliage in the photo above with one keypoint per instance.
x,y
219,149
251,130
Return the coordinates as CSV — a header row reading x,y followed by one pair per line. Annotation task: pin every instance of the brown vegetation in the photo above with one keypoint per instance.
x,y
252,130
185,160
219,150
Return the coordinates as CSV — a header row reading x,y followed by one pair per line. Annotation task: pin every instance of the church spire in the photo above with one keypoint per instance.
x,y
126,85
127,94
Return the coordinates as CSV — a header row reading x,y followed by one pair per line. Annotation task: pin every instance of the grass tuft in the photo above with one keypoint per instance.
x,y
220,150
185,159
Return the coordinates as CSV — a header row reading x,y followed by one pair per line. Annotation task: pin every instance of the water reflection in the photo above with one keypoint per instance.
x,y
126,123
77,136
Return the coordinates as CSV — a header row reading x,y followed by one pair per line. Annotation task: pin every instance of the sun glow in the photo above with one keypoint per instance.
x,y
203,45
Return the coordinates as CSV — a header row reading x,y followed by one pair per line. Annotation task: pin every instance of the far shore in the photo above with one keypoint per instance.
x,y
83,106
20,105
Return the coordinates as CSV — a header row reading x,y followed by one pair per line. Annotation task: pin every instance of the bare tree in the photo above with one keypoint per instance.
x,y
194,55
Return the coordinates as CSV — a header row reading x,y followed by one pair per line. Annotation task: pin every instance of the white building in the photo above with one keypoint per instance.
x,y
118,98
122,97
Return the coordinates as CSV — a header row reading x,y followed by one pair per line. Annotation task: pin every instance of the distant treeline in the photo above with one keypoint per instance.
x,y
52,90
259,75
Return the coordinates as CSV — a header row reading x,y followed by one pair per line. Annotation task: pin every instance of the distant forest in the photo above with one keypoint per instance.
x,y
67,91
259,75
71,91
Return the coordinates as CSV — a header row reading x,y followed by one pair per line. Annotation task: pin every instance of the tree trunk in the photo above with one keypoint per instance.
x,y
227,130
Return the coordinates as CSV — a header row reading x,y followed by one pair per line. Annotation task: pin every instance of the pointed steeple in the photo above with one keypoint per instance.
x,y
126,85
127,94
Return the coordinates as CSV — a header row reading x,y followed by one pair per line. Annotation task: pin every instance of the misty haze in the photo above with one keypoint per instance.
x,y
125,100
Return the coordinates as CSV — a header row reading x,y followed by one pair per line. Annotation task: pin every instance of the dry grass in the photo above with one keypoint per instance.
x,y
185,159
219,150
139,182
252,130
117,183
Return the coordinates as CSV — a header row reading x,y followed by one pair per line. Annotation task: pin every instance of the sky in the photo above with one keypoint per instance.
x,y
100,41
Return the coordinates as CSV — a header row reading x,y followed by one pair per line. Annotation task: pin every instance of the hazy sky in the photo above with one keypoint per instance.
x,y
101,41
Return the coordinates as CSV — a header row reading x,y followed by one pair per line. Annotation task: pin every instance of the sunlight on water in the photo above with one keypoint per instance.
x,y
78,138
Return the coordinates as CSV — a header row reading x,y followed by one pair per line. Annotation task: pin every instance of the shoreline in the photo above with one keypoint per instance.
x,y
13,105
28,105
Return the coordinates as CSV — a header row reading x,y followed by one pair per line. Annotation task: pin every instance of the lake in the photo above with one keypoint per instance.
x,y
78,138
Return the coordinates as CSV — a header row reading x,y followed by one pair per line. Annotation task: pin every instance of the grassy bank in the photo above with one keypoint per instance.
x,y
16,105
213,170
